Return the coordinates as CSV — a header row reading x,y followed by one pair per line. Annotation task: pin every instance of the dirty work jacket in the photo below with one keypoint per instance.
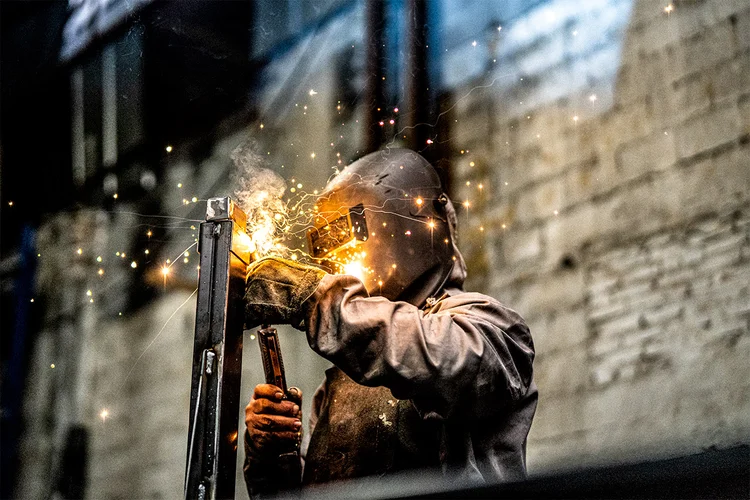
x,y
459,374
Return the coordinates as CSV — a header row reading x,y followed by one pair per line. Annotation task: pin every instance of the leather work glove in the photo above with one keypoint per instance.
x,y
276,289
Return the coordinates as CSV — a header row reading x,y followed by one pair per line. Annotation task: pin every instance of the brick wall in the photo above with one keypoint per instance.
x,y
621,235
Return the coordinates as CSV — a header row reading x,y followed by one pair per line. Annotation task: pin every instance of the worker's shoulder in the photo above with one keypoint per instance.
x,y
478,304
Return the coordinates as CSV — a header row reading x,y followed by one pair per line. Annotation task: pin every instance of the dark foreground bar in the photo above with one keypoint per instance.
x,y
711,474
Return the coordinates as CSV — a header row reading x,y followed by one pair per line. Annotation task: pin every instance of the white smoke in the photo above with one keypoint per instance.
x,y
259,192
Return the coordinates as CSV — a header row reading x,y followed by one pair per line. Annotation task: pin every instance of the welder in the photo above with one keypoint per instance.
x,y
425,375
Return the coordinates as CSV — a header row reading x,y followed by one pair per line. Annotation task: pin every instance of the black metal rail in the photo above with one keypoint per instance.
x,y
217,353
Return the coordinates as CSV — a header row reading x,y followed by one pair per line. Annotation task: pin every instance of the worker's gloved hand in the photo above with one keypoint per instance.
x,y
276,289
274,421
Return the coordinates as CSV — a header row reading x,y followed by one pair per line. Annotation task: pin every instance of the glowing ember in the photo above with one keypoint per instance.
x,y
355,269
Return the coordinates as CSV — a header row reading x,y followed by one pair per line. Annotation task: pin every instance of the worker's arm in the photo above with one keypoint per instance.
x,y
470,352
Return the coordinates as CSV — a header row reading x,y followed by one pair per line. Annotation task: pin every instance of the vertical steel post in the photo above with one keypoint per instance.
x,y
419,88
375,86
225,252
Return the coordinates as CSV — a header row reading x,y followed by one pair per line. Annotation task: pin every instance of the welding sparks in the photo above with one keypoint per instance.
x,y
104,414
356,269
169,149
669,9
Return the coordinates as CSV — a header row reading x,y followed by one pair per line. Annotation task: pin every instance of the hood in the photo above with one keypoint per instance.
x,y
457,275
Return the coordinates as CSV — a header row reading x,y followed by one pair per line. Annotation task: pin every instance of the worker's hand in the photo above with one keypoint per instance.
x,y
274,423
276,289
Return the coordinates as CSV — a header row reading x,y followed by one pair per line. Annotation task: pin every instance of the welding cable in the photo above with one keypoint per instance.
x,y
194,424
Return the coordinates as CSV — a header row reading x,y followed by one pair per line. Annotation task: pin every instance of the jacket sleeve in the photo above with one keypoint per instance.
x,y
468,354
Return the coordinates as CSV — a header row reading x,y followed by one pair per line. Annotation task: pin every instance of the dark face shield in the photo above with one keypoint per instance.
x,y
327,237
383,221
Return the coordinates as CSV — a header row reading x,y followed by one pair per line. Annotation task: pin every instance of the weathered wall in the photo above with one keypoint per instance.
x,y
136,365
622,235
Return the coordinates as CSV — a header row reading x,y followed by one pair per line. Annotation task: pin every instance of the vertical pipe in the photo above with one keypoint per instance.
x,y
109,105
419,101
422,104
78,134
375,86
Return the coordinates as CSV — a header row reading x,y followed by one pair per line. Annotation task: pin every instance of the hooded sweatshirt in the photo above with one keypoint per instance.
x,y
445,386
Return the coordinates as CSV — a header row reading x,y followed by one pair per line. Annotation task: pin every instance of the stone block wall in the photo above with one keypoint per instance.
x,y
612,149
602,150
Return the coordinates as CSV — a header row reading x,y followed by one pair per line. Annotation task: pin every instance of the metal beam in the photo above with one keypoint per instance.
x,y
217,353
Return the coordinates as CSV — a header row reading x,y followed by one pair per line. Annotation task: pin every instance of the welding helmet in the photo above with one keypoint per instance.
x,y
384,219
